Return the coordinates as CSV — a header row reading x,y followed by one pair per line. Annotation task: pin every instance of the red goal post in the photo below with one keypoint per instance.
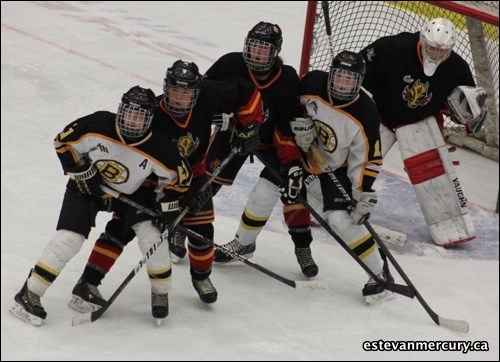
x,y
355,24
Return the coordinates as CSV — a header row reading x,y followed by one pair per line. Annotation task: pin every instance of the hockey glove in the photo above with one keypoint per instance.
x,y
169,208
86,178
246,138
292,174
222,120
467,106
195,199
364,206
305,132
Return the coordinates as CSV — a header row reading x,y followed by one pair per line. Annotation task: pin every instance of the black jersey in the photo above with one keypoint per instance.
x,y
123,165
395,76
192,134
348,134
279,95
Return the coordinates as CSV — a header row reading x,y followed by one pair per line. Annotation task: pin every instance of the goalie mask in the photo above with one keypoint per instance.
x,y
135,112
437,39
346,75
262,46
181,87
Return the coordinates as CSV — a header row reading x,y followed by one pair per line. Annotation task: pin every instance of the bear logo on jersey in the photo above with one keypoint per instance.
x,y
416,95
113,171
187,145
327,136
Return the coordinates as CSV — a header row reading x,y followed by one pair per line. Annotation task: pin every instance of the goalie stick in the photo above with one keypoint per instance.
x,y
93,316
453,324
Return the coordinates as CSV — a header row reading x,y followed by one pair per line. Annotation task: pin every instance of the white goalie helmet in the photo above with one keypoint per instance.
x,y
437,39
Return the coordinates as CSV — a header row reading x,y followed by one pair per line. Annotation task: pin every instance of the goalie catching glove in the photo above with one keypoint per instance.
x,y
365,202
305,132
86,178
246,138
467,106
292,174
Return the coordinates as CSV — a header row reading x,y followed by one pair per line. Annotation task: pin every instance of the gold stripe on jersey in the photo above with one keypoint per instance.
x,y
267,84
254,101
283,140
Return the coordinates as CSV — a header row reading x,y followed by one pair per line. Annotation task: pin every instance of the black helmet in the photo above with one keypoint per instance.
x,y
135,112
182,78
263,39
346,75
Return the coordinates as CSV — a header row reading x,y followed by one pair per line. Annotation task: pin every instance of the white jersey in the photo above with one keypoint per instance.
x,y
348,134
124,167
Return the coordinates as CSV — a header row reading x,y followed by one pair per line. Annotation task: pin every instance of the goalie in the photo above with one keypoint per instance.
x,y
415,78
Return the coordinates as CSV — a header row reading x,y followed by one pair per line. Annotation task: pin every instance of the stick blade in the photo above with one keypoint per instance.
x,y
454,324
312,284
389,236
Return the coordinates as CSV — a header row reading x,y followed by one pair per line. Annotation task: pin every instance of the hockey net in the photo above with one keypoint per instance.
x,y
355,24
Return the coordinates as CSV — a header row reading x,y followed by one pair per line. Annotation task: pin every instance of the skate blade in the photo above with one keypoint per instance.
x,y
379,298
19,312
78,304
159,321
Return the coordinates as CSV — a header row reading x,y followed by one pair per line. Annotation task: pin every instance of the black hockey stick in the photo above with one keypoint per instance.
x,y
396,288
297,284
93,316
456,325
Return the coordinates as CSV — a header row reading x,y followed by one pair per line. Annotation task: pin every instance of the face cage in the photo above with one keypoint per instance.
x,y
347,84
133,121
179,95
434,53
259,49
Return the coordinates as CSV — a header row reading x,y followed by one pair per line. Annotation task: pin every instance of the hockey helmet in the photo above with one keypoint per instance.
x,y
181,87
346,75
135,112
262,46
437,39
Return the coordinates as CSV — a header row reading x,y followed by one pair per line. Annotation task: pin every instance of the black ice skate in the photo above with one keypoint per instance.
x,y
177,246
205,289
28,307
86,298
374,293
159,306
236,247
306,262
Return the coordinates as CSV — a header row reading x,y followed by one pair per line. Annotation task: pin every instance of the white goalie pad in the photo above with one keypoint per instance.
x,y
435,182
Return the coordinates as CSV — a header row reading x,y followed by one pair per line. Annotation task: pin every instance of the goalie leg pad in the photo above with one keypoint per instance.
x,y
435,182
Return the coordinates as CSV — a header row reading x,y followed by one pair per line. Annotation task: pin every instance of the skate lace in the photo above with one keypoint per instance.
x,y
235,246
178,238
204,286
94,291
304,256
34,299
159,299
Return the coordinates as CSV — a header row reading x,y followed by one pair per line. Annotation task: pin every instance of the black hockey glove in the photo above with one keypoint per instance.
x,y
292,174
86,178
196,199
246,138
169,209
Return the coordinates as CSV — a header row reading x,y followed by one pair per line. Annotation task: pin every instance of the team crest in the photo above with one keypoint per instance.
x,y
327,136
417,95
113,171
312,106
187,145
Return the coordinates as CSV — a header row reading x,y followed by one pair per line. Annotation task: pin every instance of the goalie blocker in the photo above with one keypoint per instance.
x,y
435,182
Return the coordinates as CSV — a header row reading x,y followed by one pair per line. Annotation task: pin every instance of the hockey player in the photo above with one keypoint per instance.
x,y
412,77
121,151
260,64
345,122
185,112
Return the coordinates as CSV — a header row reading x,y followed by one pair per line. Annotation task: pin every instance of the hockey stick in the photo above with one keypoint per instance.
x,y
396,288
297,284
93,316
453,324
